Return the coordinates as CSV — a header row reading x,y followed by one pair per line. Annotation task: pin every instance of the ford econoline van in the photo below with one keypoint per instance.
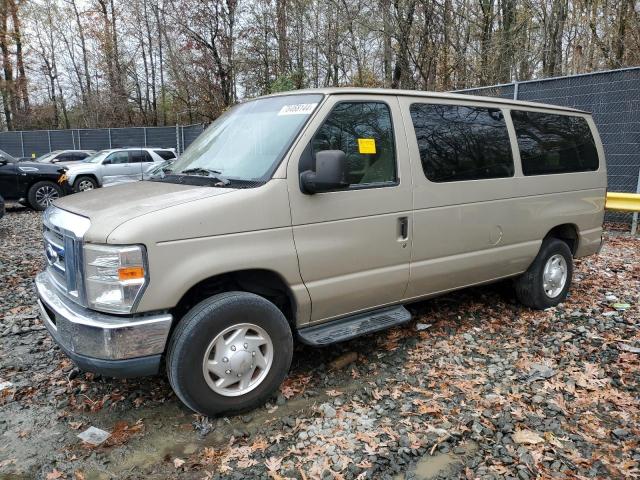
x,y
314,216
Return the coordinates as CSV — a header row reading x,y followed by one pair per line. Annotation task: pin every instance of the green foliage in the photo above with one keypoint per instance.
x,y
282,83
294,80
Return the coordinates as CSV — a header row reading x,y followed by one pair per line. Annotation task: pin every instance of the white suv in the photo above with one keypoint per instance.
x,y
114,166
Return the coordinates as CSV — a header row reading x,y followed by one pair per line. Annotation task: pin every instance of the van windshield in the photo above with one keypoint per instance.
x,y
248,141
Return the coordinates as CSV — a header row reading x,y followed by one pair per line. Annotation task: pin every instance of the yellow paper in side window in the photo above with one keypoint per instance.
x,y
366,145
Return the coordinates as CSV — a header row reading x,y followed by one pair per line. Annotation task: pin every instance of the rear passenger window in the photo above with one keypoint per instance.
x,y
140,156
462,143
364,132
551,143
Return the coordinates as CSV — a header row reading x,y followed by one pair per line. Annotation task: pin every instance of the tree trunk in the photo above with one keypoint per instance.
x,y
8,84
281,26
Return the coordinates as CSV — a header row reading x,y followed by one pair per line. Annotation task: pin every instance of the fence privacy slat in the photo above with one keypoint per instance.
x,y
38,142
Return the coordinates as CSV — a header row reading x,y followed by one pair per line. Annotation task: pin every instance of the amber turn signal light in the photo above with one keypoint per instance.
x,y
131,273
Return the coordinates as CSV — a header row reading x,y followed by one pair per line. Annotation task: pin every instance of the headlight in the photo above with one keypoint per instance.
x,y
114,276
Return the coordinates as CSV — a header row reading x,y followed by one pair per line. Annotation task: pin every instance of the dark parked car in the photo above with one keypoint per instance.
x,y
31,183
64,156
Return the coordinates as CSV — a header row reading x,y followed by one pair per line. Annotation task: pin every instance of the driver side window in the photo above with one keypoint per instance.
x,y
118,158
364,132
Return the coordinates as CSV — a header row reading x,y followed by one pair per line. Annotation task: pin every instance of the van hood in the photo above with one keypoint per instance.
x,y
107,208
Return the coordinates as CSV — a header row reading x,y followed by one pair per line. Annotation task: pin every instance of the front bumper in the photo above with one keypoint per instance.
x,y
107,344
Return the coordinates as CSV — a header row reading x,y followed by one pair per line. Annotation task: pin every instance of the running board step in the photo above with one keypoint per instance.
x,y
350,327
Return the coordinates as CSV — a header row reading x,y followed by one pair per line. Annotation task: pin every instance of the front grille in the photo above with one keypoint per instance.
x,y
63,250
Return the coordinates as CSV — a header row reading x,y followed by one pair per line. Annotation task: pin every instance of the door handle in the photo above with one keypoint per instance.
x,y
403,228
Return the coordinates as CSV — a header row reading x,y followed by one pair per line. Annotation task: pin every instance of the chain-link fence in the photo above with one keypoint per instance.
x,y
30,143
613,97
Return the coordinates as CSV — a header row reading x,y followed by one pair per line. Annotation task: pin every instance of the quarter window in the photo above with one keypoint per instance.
x,y
364,132
459,142
551,143
165,154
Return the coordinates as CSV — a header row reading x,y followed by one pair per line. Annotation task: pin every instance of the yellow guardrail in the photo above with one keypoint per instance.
x,y
623,202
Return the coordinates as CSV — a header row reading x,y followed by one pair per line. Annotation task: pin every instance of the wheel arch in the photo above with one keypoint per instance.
x,y
33,181
90,175
568,233
263,282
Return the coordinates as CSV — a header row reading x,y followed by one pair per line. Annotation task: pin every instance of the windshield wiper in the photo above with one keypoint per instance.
x,y
208,172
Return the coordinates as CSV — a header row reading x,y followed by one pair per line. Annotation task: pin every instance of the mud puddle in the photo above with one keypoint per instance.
x,y
431,466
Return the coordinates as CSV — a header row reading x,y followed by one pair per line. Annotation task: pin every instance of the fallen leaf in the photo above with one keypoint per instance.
x,y
273,464
527,437
55,474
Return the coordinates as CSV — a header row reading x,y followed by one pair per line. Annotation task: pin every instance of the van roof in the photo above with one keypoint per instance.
x,y
424,94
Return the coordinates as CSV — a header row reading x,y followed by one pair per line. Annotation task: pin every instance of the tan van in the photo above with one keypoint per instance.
x,y
317,214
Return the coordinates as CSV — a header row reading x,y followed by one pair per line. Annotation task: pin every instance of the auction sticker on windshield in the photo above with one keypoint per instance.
x,y
297,109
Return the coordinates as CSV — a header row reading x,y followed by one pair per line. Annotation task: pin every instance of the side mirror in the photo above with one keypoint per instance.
x,y
329,175
3,161
106,162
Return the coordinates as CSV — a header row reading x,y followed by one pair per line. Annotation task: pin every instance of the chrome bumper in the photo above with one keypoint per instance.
x,y
87,333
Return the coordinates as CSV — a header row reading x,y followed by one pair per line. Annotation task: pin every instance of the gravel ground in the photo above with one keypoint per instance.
x,y
475,387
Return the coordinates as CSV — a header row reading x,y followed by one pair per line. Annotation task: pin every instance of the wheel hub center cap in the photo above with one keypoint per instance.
x,y
240,362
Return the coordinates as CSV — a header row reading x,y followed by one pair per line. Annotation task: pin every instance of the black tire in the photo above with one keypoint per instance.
x,y
529,286
199,327
41,194
77,186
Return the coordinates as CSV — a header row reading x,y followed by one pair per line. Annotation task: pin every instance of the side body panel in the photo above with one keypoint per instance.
x,y
9,181
119,172
471,232
348,242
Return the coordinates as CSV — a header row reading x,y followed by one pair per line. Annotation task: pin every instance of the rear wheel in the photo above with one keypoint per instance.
x,y
229,353
43,194
546,282
84,184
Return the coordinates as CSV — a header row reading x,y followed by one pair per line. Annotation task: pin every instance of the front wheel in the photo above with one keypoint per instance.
x,y
43,194
546,282
84,184
229,353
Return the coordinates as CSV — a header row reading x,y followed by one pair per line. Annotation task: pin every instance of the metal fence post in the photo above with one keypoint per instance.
x,y
145,136
79,140
515,90
177,139
634,219
22,141
183,138
110,139
49,138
